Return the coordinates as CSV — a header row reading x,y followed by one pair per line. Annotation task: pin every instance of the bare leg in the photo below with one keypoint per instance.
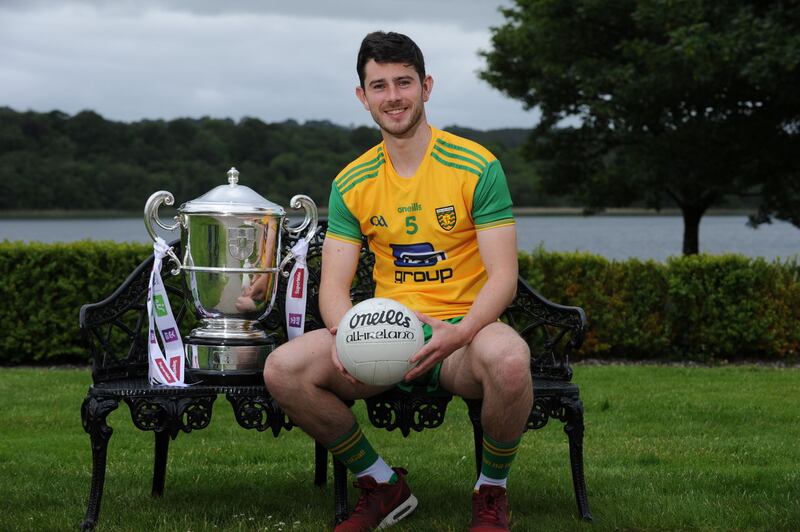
x,y
303,380
301,377
496,368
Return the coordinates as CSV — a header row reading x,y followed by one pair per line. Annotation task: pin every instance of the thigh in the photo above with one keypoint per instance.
x,y
464,372
307,358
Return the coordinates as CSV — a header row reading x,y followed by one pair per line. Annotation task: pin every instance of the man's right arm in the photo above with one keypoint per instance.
x,y
339,263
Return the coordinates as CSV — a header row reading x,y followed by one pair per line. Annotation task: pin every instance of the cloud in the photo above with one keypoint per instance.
x,y
271,60
469,14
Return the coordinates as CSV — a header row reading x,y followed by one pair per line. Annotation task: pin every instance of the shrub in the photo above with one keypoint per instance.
x,y
43,287
726,306
700,307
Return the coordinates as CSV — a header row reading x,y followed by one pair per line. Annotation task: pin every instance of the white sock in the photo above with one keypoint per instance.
x,y
483,479
380,471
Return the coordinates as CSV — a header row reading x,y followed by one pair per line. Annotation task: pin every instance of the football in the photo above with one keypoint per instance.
x,y
376,338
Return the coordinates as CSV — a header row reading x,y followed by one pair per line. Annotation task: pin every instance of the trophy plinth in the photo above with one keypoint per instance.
x,y
225,361
228,351
231,241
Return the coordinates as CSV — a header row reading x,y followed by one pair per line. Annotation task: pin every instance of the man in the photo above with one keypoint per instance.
x,y
442,200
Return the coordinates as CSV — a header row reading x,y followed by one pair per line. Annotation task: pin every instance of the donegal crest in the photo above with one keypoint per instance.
x,y
446,216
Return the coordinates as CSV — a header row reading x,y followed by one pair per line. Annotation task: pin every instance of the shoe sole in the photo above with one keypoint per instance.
x,y
404,509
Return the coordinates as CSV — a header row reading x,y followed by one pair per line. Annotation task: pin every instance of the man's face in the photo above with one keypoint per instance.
x,y
394,96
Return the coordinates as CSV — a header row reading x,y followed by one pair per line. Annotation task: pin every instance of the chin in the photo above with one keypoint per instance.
x,y
401,129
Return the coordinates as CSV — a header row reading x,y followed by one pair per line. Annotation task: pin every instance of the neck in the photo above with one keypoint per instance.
x,y
407,152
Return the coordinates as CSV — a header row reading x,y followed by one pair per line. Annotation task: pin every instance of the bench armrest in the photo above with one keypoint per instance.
x,y
115,329
552,331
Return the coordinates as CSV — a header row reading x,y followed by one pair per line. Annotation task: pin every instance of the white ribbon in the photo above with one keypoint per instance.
x,y
167,370
296,292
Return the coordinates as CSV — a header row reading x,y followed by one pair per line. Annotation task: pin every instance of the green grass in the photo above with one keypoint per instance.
x,y
666,448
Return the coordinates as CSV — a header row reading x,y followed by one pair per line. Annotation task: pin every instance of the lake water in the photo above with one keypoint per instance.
x,y
615,237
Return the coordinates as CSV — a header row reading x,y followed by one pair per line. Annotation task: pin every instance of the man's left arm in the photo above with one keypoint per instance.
x,y
498,249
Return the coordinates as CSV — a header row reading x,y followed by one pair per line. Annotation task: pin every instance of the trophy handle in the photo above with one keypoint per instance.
x,y
309,222
151,217
151,212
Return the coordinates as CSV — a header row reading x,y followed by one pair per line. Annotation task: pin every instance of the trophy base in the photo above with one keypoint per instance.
x,y
223,361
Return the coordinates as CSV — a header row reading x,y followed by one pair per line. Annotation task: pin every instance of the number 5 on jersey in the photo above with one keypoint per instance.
x,y
411,225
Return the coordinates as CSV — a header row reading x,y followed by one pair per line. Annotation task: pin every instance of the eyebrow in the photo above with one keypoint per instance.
x,y
396,79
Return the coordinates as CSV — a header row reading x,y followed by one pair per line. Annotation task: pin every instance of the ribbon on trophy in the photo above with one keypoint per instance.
x,y
296,293
167,367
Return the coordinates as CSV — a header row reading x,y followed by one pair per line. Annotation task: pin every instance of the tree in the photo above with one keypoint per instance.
x,y
682,101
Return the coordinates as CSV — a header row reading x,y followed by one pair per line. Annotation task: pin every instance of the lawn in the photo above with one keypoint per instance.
x,y
666,448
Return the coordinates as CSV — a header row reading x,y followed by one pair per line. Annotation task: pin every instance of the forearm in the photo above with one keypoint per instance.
x,y
491,301
333,304
498,249
339,261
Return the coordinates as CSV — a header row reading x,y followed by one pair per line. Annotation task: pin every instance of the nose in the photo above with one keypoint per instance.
x,y
393,93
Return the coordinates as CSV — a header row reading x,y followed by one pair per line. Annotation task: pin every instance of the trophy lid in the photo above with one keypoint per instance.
x,y
232,198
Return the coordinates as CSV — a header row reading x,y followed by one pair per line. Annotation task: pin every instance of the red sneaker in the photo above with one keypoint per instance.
x,y
489,509
380,505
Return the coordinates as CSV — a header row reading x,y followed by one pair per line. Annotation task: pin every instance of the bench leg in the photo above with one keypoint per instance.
x,y
474,410
160,462
574,429
320,464
340,492
94,412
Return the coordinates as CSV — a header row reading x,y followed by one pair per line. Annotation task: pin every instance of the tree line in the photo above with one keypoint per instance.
x,y
85,162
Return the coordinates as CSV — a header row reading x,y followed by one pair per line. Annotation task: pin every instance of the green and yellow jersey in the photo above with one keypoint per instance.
x,y
422,229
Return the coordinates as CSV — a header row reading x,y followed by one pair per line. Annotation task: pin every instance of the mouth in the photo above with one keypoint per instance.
x,y
396,112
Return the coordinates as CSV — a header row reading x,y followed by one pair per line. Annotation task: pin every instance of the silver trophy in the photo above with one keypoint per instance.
x,y
231,241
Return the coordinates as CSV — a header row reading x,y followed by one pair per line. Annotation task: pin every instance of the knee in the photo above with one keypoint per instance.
x,y
279,371
512,368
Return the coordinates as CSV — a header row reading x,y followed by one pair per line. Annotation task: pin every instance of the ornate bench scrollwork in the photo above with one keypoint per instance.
x,y
259,412
399,410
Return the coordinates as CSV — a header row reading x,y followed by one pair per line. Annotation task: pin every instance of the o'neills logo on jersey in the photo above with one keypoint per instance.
x,y
414,207
298,283
391,317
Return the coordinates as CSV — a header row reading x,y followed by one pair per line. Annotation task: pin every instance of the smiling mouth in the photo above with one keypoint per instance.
x,y
395,112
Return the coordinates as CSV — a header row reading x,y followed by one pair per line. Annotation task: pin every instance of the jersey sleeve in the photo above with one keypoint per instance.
x,y
491,203
342,225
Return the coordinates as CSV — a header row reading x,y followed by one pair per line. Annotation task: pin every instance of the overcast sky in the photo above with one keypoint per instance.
x,y
135,59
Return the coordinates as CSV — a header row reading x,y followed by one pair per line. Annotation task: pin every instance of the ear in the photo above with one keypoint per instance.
x,y
427,87
362,96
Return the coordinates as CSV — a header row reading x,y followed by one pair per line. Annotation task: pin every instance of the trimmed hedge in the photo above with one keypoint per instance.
x,y
42,288
700,307
690,308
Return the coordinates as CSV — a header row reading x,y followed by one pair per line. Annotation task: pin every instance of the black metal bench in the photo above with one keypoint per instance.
x,y
115,331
